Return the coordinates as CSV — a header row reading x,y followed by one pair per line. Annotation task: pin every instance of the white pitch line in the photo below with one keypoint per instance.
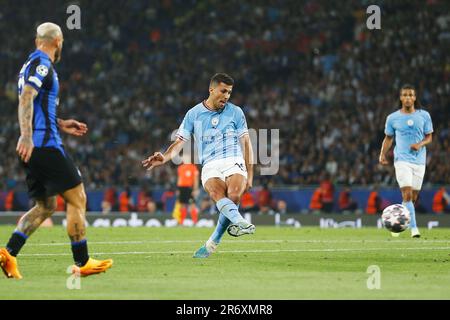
x,y
241,251
243,241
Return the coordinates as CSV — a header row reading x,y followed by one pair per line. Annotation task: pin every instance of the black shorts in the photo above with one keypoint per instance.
x,y
185,195
50,172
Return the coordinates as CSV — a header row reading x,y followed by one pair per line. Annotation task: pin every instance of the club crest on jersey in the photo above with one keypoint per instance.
x,y
410,122
215,121
42,70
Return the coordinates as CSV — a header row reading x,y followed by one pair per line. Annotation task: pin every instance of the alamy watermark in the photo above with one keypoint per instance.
x,y
74,20
374,280
265,145
74,280
374,20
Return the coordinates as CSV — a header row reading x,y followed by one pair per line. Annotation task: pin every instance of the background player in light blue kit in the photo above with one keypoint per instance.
x,y
219,128
412,128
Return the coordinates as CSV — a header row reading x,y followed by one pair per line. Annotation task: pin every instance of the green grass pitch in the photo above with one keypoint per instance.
x,y
275,263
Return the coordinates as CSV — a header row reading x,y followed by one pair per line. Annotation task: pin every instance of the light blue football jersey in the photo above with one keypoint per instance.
x,y
216,133
409,128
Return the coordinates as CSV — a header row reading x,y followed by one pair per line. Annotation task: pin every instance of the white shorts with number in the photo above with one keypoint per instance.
x,y
409,174
223,168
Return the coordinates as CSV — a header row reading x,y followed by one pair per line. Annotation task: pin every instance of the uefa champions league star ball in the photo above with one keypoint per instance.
x,y
396,218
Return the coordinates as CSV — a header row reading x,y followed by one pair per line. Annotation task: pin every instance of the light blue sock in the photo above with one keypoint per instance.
x,y
229,209
410,206
221,227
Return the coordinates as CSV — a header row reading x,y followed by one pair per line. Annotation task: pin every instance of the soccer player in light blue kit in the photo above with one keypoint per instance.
x,y
220,129
412,128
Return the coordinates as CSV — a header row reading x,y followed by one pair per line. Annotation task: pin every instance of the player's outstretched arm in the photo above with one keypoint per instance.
x,y
158,159
25,144
73,127
387,144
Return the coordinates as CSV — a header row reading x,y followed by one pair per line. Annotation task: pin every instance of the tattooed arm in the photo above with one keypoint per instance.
x,y
25,144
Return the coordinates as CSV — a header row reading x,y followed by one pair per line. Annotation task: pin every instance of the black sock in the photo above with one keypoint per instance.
x,y
80,252
16,242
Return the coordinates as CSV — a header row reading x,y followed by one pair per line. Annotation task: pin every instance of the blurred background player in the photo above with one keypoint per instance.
x,y
219,128
145,201
327,187
49,169
188,190
264,197
248,203
374,201
441,200
316,203
109,202
126,202
412,128
346,202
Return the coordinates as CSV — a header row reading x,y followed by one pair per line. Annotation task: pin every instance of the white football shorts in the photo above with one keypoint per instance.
x,y
223,168
409,174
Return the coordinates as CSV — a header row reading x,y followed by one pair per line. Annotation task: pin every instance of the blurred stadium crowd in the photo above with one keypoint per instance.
x,y
309,68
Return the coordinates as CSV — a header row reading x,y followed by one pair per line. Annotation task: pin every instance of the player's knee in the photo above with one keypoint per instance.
x,y
407,195
216,195
47,206
235,197
79,201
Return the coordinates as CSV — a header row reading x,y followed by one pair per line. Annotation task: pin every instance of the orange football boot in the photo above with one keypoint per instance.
x,y
9,264
92,267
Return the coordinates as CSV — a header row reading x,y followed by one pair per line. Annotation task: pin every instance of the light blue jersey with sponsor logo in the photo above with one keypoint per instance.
x,y
409,128
216,133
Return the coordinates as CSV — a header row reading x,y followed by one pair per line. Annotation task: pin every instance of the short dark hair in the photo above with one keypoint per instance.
x,y
221,77
408,86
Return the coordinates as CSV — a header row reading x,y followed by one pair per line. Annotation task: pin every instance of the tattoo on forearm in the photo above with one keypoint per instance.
x,y
26,112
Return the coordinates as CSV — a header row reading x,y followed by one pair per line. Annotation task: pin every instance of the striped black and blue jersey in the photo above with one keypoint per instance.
x,y
39,73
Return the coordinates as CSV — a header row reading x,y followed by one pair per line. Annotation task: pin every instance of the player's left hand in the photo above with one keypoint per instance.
x,y
416,146
155,160
73,127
